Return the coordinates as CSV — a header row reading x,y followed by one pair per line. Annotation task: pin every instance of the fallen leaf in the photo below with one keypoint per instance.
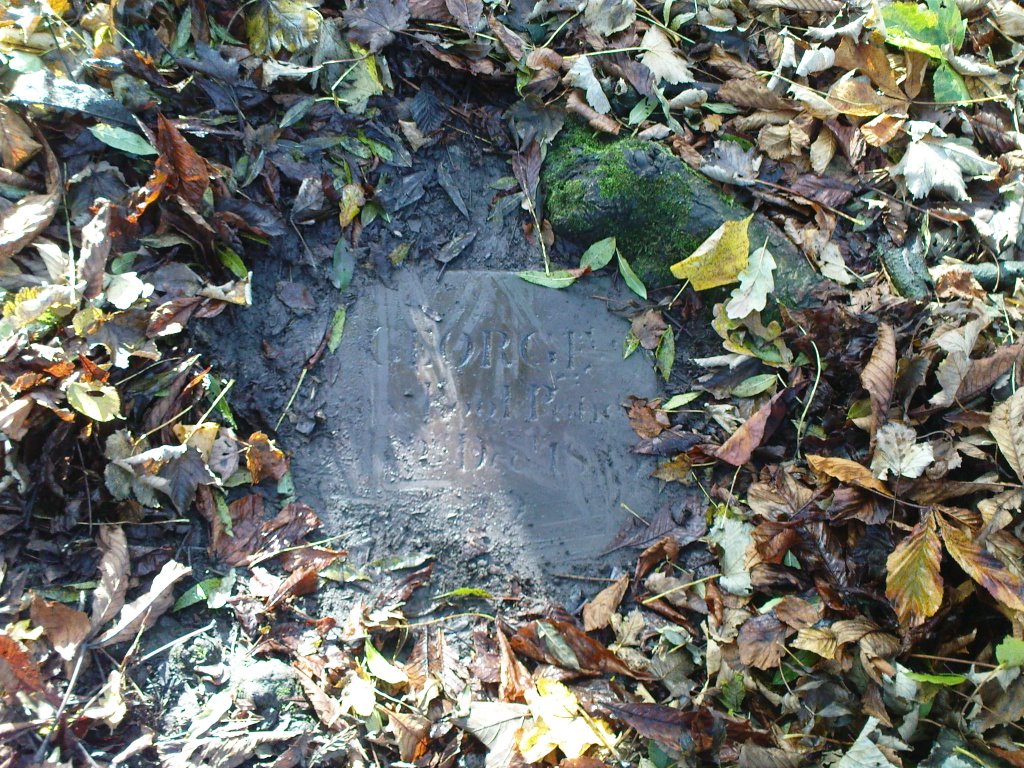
x,y
467,14
879,376
142,613
719,260
738,449
849,472
276,24
558,724
897,452
562,644
17,144
756,283
598,612
913,583
761,641
662,58
1007,427
114,569
581,75
17,670
65,627
411,731
980,564
264,459
496,725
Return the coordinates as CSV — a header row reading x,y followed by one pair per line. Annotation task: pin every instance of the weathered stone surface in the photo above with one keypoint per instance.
x,y
482,415
658,208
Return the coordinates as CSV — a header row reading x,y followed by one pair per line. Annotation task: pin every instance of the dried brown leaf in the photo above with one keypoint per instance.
x,y
1007,427
515,680
564,645
65,627
983,566
761,641
18,672
264,459
754,431
27,218
879,376
598,612
849,472
142,613
114,569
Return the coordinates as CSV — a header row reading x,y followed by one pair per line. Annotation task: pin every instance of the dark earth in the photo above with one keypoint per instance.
x,y
467,414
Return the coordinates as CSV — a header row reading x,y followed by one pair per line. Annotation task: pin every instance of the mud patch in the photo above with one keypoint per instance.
x,y
467,414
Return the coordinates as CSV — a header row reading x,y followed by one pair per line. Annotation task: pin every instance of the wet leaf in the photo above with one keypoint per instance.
x,y
980,564
913,583
556,278
879,376
598,255
276,24
18,671
761,641
561,643
375,24
720,259
665,354
337,330
849,472
632,280
738,449
264,459
183,171
467,14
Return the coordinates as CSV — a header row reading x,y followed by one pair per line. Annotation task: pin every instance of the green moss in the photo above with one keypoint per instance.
x,y
640,194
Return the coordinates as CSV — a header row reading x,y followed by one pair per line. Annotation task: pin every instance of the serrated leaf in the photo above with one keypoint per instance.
x,y
1007,426
898,454
598,255
662,58
983,566
1010,652
757,281
124,140
636,285
913,583
100,402
719,259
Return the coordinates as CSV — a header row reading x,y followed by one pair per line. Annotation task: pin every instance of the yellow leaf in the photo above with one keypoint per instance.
x,y
352,201
558,723
913,583
719,259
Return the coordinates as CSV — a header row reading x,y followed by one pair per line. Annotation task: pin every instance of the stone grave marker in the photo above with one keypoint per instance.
x,y
482,414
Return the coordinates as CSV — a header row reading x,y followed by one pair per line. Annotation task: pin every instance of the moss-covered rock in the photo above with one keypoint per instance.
x,y
657,208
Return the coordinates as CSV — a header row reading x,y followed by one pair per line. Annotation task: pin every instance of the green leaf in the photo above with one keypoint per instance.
x,y
100,402
233,262
1010,652
276,24
559,278
755,385
666,353
908,25
337,329
948,86
630,345
124,140
381,668
297,111
636,285
946,680
676,402
343,265
197,593
599,254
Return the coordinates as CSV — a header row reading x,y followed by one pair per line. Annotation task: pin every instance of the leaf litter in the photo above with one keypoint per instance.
x,y
861,597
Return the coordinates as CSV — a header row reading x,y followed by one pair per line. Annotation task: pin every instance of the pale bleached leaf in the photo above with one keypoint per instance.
x,y
582,76
898,454
1007,426
663,59
757,281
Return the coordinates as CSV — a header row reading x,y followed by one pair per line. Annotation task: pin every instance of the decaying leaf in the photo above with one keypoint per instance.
x,y
897,452
65,627
1007,427
276,24
598,612
143,612
912,582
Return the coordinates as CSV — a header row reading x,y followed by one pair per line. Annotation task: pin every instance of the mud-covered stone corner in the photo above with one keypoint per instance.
x,y
658,208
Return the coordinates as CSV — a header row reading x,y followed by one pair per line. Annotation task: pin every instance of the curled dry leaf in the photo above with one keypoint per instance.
x,y
114,569
142,613
849,472
879,376
23,221
981,564
1007,427
598,612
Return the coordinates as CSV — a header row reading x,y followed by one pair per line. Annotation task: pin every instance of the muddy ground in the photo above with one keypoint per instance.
x,y
382,494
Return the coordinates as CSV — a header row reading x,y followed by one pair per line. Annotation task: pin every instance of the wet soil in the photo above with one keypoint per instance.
x,y
513,478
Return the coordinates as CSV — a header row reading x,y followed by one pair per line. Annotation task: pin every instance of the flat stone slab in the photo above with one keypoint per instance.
x,y
486,411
